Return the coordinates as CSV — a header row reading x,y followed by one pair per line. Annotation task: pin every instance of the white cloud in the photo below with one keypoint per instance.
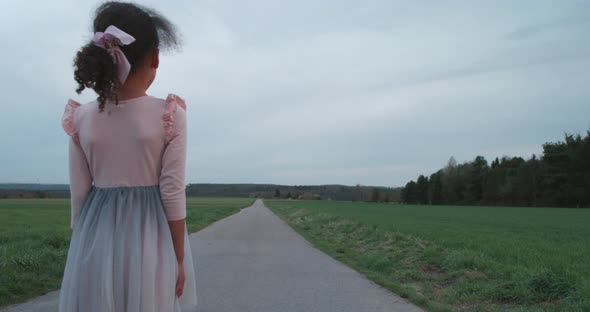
x,y
305,92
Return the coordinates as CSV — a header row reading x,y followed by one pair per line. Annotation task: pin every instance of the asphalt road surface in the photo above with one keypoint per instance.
x,y
253,262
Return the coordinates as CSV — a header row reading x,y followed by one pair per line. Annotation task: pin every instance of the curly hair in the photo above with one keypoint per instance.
x,y
93,66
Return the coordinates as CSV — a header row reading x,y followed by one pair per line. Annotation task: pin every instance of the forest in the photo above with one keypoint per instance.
x,y
560,177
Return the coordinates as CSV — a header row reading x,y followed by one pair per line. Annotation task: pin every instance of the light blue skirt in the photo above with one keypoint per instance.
x,y
121,257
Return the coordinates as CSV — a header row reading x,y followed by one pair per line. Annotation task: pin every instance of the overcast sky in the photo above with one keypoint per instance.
x,y
316,92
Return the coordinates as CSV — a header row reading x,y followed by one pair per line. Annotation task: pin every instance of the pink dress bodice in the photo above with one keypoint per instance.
x,y
137,142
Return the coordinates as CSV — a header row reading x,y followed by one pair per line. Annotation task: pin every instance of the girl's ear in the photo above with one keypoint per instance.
x,y
155,62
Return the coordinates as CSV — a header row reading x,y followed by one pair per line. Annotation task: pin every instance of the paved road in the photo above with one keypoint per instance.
x,y
253,262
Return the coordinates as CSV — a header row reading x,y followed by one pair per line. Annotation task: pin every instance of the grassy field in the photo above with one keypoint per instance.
x,y
35,235
448,258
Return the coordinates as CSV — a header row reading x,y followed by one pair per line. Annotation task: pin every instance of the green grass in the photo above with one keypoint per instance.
x,y
448,258
35,236
202,211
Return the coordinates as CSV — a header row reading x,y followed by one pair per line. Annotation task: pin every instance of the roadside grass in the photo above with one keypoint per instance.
x,y
448,258
35,236
202,211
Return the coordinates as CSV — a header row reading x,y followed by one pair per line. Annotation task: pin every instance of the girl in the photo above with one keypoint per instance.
x,y
129,249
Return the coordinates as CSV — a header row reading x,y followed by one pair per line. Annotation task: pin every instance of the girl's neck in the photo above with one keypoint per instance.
x,y
130,93
135,86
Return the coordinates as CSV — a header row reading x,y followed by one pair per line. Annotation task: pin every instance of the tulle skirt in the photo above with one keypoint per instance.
x,y
121,257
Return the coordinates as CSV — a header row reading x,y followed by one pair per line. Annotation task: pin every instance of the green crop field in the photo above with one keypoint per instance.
x,y
35,235
449,258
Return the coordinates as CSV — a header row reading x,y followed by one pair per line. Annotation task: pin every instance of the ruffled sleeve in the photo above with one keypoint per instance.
x,y
67,120
80,176
173,101
172,176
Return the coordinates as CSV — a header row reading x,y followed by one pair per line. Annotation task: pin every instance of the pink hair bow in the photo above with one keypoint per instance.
x,y
110,40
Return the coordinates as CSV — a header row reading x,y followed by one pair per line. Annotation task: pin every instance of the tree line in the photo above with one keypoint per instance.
x,y
559,178
306,192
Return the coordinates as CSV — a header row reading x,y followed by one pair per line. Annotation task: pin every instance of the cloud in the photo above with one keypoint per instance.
x,y
305,92
566,23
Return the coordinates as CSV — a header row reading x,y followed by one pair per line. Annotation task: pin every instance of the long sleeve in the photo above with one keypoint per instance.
x,y
80,179
172,177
